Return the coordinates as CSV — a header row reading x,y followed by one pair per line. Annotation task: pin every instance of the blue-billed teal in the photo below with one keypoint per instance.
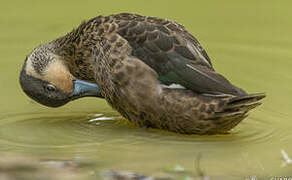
x,y
151,70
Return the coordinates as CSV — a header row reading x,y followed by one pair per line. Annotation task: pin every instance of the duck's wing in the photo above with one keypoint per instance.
x,y
173,53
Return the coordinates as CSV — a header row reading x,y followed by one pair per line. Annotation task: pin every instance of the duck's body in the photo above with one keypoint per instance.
x,y
133,59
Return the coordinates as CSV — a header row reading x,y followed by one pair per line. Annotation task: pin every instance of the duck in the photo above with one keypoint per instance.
x,y
151,70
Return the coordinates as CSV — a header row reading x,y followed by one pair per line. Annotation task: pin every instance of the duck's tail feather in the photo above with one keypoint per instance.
x,y
247,99
235,110
240,105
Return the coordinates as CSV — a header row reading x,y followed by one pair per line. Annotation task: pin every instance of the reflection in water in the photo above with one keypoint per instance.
x,y
50,130
75,129
248,41
100,135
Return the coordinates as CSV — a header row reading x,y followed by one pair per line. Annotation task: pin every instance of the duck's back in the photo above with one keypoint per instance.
x,y
171,51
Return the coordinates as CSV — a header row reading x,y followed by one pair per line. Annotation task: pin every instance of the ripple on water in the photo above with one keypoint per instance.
x,y
254,131
59,130
64,130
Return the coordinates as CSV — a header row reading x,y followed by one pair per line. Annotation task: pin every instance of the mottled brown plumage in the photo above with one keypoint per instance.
x,y
133,58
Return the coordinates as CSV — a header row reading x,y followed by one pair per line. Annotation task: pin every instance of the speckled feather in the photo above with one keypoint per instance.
x,y
164,45
129,56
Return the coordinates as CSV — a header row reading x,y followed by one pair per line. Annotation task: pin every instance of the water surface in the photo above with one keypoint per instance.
x,y
248,41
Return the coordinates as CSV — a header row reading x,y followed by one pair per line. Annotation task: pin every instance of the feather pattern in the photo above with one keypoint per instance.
x,y
133,59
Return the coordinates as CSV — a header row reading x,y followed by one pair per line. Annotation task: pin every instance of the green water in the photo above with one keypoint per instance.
x,y
249,42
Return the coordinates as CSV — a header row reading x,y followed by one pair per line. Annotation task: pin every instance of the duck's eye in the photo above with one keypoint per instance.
x,y
50,87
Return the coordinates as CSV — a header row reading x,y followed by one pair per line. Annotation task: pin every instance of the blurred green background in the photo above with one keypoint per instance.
x,y
248,41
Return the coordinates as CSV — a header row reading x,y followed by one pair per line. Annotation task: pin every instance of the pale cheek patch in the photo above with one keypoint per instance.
x,y
29,69
58,75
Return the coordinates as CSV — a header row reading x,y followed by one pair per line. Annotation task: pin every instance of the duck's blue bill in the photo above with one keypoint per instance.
x,y
83,88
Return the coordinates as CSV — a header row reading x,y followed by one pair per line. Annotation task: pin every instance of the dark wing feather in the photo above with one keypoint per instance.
x,y
173,53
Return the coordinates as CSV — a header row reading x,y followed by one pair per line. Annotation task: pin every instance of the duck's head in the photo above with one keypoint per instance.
x,y
45,77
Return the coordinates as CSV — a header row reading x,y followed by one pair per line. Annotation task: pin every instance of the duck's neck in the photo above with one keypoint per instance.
x,y
78,52
86,51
